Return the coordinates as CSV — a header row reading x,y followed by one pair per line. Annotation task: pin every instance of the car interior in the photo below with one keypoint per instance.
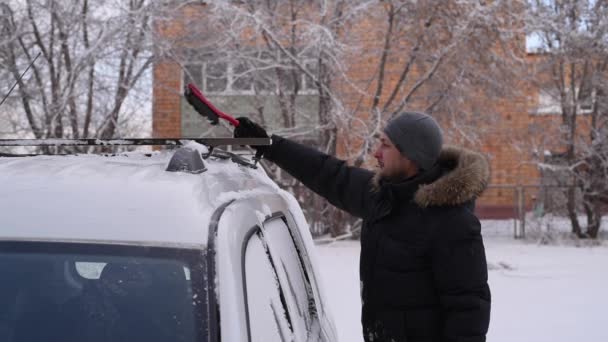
x,y
45,298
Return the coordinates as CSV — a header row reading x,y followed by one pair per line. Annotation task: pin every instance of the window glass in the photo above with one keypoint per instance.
x,y
216,77
265,81
54,292
89,270
265,77
193,73
242,80
261,74
585,97
549,100
92,270
289,77
293,278
268,320
309,83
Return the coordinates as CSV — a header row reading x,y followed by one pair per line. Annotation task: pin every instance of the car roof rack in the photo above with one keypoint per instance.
x,y
210,142
183,160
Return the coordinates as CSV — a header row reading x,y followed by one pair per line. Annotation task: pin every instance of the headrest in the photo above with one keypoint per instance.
x,y
131,278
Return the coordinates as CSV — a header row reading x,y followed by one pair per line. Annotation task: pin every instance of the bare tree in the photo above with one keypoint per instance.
x,y
93,56
434,56
445,58
284,53
572,74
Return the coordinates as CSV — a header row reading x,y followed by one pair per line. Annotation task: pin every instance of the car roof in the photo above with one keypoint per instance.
x,y
126,199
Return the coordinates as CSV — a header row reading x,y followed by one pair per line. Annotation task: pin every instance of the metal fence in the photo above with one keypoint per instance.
x,y
534,207
530,208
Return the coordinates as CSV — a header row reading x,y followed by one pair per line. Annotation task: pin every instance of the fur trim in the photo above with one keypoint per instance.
x,y
376,182
467,179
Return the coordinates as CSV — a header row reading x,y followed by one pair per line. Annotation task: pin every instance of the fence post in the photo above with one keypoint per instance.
x,y
516,214
520,215
522,203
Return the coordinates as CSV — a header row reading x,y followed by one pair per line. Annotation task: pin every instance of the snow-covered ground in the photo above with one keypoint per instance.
x,y
539,293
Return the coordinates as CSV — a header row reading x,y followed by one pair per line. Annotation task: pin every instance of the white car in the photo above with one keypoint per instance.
x,y
116,248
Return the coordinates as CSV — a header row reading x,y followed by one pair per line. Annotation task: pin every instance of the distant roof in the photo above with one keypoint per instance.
x,y
122,199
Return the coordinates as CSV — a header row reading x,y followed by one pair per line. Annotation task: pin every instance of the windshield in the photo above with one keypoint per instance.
x,y
79,292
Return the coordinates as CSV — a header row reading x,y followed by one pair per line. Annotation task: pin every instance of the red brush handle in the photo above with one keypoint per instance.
x,y
234,122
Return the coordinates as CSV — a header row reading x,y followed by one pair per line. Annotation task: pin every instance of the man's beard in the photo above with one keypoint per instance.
x,y
382,177
386,176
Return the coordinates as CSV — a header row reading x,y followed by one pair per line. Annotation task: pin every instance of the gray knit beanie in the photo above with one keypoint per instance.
x,y
417,136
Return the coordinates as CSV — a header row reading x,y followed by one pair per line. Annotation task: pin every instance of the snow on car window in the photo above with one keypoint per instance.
x,y
92,270
89,270
292,277
268,320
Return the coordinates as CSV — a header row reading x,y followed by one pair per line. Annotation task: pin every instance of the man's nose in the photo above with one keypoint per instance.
x,y
377,154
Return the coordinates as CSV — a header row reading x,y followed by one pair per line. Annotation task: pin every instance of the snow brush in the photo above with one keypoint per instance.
x,y
205,108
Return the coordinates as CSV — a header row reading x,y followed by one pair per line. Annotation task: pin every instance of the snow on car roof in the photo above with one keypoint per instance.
x,y
122,199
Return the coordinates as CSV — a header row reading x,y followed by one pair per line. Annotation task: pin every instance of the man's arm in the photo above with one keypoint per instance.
x,y
348,188
461,278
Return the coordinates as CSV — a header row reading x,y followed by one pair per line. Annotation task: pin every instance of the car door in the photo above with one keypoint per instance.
x,y
266,287
267,314
278,285
294,278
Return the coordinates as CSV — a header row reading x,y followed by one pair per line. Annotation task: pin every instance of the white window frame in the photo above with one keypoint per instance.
x,y
306,89
548,104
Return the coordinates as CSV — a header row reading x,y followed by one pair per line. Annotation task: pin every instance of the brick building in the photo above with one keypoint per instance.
x,y
512,148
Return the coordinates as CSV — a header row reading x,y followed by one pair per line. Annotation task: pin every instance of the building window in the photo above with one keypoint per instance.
x,y
549,102
238,78
216,77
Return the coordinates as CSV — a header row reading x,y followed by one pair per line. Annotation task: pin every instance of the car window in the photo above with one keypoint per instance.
x,y
92,270
268,319
58,292
294,279
89,270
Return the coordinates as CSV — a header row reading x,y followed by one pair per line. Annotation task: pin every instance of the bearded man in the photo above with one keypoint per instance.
x,y
422,266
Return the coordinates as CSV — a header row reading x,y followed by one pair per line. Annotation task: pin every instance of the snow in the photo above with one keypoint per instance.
x,y
77,142
70,197
539,293
322,292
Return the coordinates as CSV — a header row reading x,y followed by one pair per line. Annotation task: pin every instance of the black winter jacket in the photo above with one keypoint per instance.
x,y
422,267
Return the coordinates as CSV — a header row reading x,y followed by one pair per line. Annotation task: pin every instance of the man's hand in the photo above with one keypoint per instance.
x,y
250,129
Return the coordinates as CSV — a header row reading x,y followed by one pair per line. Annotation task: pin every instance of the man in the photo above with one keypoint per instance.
x,y
422,267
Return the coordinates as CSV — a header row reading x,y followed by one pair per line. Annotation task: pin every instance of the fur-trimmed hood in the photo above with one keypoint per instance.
x,y
466,176
460,176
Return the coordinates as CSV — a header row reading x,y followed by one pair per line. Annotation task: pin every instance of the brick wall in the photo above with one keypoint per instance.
x,y
167,74
507,144
166,116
